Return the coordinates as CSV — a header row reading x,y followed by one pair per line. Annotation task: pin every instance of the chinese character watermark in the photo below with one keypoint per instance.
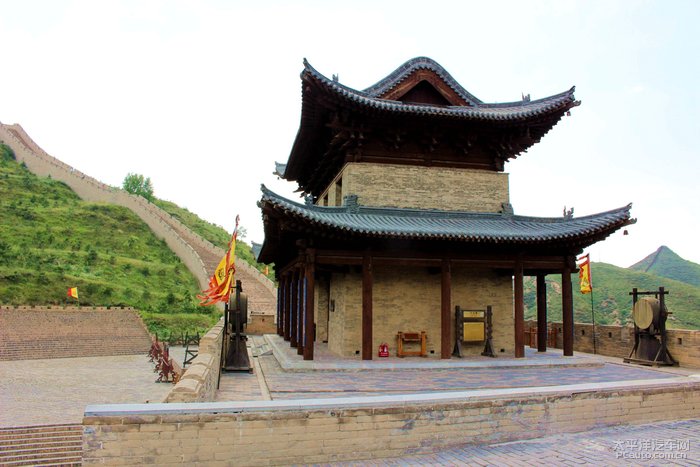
x,y
651,448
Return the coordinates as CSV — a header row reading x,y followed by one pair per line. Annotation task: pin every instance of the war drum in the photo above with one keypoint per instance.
x,y
649,315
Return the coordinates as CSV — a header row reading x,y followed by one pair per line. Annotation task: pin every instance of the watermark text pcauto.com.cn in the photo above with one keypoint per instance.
x,y
651,448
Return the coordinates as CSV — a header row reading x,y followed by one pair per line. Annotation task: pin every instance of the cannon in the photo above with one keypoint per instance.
x,y
649,315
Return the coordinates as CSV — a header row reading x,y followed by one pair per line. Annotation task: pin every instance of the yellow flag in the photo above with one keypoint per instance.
x,y
221,281
584,274
73,292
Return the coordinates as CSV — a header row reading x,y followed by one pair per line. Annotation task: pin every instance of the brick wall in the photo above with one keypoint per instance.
x,y
259,324
283,433
618,341
409,300
403,186
199,381
28,333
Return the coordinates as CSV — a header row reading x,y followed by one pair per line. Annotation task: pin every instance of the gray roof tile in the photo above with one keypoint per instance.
x,y
451,225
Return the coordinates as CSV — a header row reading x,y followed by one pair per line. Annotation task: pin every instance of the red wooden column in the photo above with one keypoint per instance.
x,y
280,307
519,311
541,313
445,308
301,305
293,310
309,305
367,308
567,308
287,305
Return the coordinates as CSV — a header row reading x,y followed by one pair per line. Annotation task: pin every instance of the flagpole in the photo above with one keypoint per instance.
x,y
593,318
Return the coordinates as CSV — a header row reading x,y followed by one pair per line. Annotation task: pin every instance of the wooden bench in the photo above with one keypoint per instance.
x,y
411,337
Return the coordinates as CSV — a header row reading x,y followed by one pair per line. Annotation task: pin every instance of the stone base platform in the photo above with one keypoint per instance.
x,y
290,360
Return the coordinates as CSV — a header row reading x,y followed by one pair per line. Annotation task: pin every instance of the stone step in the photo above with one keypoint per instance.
x,y
49,431
74,457
37,442
41,445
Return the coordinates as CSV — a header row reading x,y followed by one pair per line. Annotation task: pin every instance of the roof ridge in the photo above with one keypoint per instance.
x,y
407,68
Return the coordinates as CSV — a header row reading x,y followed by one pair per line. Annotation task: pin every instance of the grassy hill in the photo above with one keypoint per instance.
x,y
665,263
51,240
611,300
215,234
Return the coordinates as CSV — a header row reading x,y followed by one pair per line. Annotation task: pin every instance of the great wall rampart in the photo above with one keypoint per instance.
x,y
199,255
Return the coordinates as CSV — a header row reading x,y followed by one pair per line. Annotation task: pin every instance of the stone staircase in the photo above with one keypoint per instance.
x,y
41,445
39,333
198,254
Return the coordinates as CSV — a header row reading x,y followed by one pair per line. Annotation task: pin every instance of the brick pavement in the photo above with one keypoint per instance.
x,y
313,384
56,391
663,443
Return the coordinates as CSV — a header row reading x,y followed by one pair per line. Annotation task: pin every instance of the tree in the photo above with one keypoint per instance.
x,y
136,184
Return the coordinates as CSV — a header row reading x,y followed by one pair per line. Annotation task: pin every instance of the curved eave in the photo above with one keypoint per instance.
x,y
466,227
495,112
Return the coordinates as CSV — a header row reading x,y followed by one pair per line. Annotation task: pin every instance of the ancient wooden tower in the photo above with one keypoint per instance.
x,y
408,215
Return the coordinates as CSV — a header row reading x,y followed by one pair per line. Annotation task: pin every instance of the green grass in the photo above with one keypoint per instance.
x,y
51,240
215,234
611,300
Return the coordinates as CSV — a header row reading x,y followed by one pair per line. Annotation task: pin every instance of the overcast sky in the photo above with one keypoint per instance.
x,y
204,96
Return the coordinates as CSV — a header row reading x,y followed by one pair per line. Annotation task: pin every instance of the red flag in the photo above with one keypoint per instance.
x,y
584,274
73,292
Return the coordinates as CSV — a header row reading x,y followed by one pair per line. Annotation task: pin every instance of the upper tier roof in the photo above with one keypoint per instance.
x,y
419,114
473,109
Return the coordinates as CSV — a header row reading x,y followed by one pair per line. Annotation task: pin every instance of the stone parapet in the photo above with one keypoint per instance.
x,y
618,341
329,430
199,381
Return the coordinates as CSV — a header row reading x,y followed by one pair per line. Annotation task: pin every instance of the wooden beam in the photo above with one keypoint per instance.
x,y
367,283
445,310
413,258
541,313
567,307
309,306
519,311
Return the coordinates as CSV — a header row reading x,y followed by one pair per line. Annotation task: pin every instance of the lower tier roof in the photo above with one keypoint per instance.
x,y
419,224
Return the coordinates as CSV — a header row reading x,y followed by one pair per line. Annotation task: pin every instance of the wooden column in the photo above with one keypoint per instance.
x,y
519,311
567,311
541,313
287,305
309,308
445,310
367,308
301,305
280,306
293,310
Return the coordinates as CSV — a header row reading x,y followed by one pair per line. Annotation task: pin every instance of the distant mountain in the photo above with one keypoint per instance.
x,y
665,263
611,300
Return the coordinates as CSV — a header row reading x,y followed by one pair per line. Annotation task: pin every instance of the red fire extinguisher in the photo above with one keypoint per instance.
x,y
383,349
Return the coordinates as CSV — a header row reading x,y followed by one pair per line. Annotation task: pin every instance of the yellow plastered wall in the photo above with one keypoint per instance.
x,y
475,289
408,300
405,186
